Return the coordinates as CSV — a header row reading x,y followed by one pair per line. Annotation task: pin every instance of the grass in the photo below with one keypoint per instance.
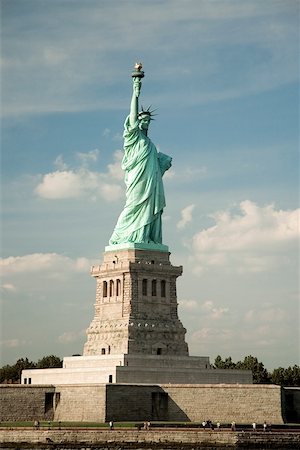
x,y
56,425
62,424
44,425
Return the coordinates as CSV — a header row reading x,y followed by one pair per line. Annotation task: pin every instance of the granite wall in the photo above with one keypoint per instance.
x,y
137,402
25,402
224,403
81,403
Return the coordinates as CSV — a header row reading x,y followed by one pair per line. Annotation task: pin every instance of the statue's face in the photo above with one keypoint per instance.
x,y
144,122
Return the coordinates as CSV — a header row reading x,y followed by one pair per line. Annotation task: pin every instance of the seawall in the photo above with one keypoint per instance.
x,y
153,439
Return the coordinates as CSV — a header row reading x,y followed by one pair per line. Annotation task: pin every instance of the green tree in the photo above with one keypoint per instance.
x,y
259,372
7,374
277,376
295,375
218,362
286,377
13,373
48,362
226,364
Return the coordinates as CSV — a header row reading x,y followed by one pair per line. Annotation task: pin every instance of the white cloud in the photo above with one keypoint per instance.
x,y
117,137
208,309
65,184
254,239
190,173
13,343
111,192
273,314
208,335
70,336
186,216
106,132
265,326
249,316
47,263
54,57
207,305
9,287
169,174
82,183
264,335
190,305
213,311
86,158
45,282
217,313
115,170
60,164
262,328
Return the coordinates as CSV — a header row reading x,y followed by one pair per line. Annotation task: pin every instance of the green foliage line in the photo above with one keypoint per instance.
x,y
12,374
280,376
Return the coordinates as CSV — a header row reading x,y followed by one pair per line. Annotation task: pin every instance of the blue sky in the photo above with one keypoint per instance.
x,y
224,76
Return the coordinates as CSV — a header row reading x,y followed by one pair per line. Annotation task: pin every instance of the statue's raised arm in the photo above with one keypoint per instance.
x,y
140,220
137,75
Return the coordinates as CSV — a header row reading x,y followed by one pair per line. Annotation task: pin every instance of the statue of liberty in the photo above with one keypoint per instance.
x,y
144,166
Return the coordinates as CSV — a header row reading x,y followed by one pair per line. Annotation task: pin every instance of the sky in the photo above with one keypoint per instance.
x,y
224,77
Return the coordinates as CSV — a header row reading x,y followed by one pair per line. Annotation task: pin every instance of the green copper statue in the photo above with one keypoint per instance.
x,y
144,166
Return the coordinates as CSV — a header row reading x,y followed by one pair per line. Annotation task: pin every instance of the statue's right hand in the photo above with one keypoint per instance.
x,y
137,86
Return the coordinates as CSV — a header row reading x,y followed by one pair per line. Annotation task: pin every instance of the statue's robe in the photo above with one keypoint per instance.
x,y
140,220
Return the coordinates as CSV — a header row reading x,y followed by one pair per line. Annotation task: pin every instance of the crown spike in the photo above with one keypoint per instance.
x,y
147,111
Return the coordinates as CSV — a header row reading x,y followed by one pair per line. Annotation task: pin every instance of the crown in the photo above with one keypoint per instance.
x,y
147,112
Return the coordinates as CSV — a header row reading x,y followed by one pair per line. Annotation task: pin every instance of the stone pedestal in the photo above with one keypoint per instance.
x,y
136,335
136,309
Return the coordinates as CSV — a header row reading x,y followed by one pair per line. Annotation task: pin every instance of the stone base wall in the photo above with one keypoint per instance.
x,y
138,402
23,403
133,402
183,403
84,403
226,403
